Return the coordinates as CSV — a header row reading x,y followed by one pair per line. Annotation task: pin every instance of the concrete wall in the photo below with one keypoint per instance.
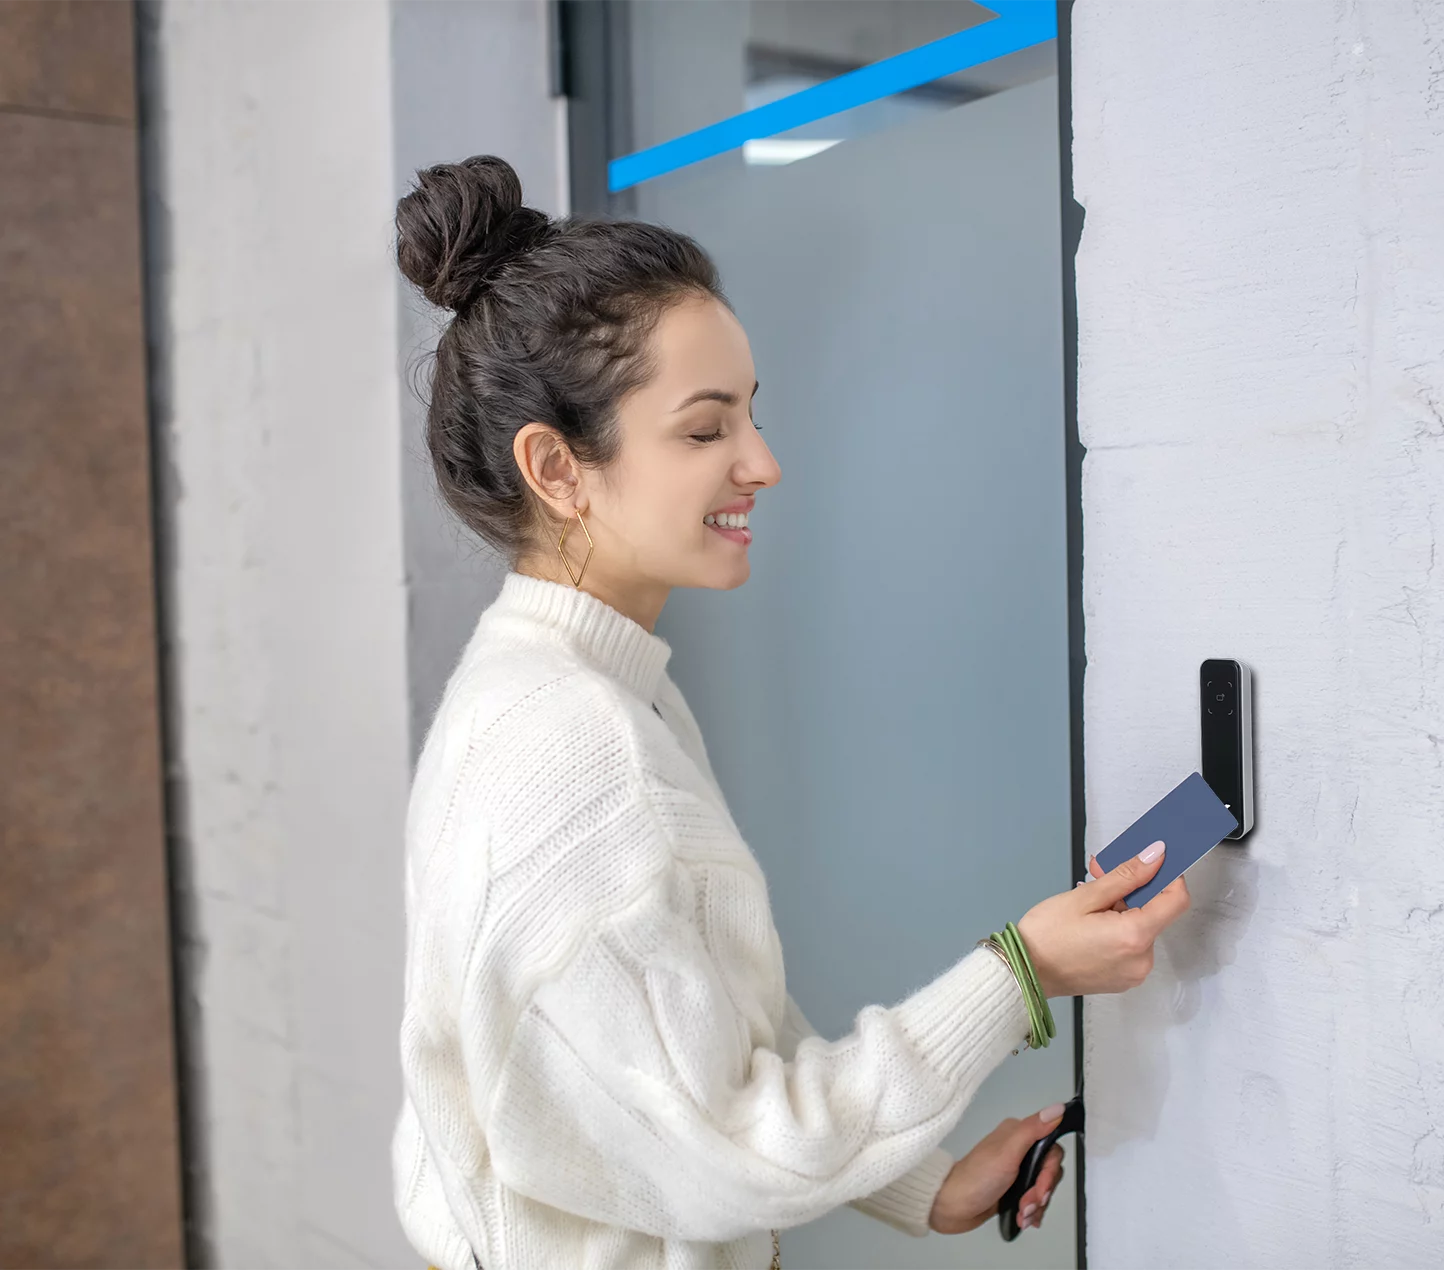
x,y
318,594
1261,318
270,214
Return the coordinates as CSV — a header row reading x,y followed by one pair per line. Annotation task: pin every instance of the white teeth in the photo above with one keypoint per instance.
x,y
727,520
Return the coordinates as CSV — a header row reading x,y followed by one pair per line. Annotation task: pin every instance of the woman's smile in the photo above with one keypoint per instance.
x,y
731,521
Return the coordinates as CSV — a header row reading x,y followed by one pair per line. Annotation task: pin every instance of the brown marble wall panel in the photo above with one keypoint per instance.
x,y
89,1160
61,55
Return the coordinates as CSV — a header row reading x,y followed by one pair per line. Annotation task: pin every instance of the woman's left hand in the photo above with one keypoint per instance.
x,y
970,1193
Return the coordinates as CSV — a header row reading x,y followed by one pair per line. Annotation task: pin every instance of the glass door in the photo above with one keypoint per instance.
x,y
886,701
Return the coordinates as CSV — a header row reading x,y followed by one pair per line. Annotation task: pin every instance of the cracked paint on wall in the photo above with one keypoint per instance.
x,y
1261,372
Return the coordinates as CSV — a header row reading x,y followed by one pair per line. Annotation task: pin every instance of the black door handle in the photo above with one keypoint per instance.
x,y
1072,1122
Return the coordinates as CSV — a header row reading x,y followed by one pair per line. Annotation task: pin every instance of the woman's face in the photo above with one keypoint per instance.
x,y
689,452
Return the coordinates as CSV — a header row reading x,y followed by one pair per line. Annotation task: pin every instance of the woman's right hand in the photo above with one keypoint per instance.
x,y
1087,941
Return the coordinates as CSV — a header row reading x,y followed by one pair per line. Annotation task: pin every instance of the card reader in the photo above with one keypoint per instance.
x,y
1225,689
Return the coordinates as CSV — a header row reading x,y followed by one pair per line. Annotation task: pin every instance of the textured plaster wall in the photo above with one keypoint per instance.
x,y
1261,343
277,413
318,594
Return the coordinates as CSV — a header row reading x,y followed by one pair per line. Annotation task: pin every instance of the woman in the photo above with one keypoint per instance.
x,y
603,1067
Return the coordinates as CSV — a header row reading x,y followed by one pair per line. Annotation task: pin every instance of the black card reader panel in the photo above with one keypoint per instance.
x,y
1225,709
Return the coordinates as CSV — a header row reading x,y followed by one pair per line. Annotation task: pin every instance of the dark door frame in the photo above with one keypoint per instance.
x,y
1072,224
592,59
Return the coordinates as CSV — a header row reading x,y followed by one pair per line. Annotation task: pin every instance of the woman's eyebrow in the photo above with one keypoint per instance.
x,y
708,394
711,394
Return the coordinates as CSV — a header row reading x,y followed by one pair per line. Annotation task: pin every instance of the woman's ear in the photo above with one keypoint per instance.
x,y
548,466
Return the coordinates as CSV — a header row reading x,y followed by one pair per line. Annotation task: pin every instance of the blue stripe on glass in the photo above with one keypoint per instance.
x,y
1020,24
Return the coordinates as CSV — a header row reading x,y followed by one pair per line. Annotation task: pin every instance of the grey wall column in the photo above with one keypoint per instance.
x,y
467,79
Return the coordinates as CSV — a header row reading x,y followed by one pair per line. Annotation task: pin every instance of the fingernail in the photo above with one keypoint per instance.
x,y
1046,1196
1089,878
1027,1211
1051,1113
1149,854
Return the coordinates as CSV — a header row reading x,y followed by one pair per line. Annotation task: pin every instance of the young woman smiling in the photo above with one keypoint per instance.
x,y
602,1063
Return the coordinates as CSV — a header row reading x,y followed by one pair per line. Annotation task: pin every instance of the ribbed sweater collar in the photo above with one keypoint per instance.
x,y
610,640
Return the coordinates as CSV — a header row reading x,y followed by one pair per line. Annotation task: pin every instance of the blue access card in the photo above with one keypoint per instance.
x,y
1190,820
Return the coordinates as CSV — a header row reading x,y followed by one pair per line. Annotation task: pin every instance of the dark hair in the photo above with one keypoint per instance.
x,y
552,322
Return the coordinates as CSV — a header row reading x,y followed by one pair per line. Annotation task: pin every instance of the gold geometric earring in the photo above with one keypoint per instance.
x,y
561,542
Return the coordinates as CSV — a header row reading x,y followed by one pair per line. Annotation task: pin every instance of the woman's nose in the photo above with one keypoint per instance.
x,y
759,466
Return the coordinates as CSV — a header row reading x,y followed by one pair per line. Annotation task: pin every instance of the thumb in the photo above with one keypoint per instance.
x,y
1107,890
1039,1126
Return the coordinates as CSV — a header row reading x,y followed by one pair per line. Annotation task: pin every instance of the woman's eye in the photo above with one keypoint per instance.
x,y
710,436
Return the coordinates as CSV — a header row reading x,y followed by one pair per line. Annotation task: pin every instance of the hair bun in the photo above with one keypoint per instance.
x,y
460,225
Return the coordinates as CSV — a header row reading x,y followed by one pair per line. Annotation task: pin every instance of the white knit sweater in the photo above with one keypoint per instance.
x,y
602,1065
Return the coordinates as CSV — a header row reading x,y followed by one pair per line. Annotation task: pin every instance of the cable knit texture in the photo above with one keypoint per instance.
x,y
602,1065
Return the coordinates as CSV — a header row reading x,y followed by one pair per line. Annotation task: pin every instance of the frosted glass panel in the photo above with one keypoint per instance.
x,y
886,701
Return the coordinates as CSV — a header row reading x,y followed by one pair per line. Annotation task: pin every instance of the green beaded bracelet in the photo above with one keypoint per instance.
x,y
1010,946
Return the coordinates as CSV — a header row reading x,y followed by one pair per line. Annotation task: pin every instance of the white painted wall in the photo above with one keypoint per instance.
x,y
276,317
1261,318
316,593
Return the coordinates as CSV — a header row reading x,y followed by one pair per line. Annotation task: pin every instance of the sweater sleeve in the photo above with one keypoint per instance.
x,y
643,1086
907,1203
